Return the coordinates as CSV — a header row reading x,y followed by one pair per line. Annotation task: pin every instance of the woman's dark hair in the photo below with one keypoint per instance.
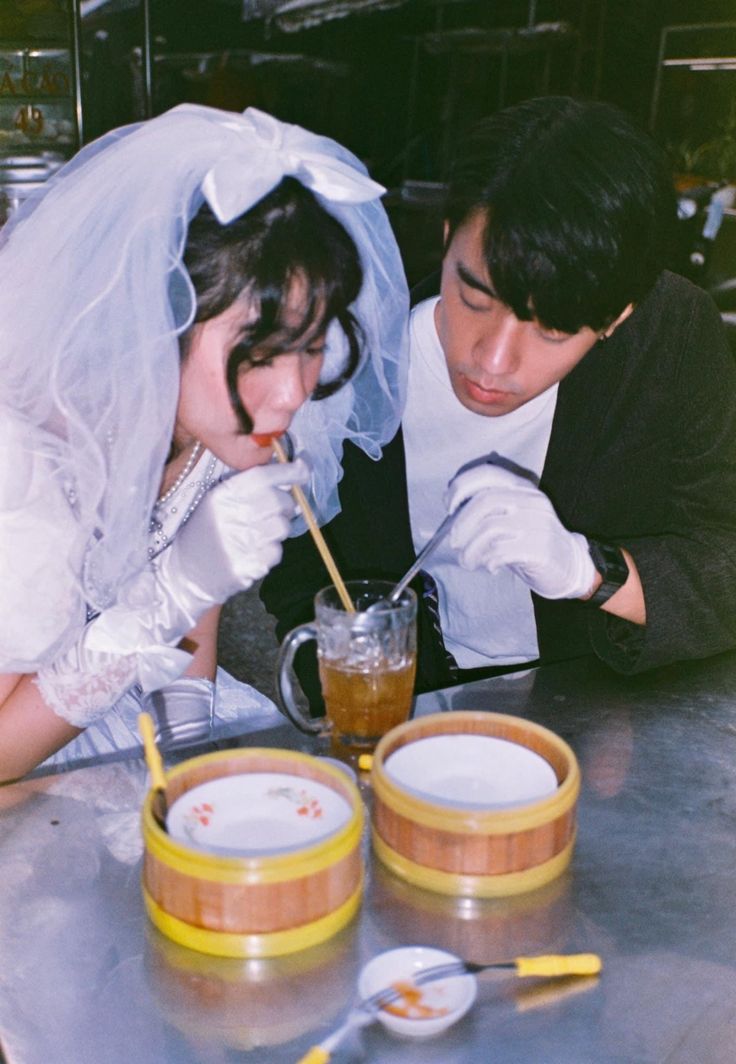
x,y
580,209
286,237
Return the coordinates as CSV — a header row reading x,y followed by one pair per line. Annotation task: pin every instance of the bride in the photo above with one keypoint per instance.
x,y
182,292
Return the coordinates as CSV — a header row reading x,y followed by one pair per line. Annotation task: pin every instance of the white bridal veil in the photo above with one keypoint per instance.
x,y
89,357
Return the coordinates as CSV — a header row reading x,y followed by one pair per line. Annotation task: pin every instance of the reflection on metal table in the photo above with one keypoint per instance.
x,y
87,980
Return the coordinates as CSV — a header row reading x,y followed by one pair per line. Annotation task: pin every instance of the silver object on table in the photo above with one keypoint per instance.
x,y
420,559
87,980
182,711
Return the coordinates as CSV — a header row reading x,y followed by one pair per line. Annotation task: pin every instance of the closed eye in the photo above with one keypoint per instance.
x,y
253,359
553,336
474,293
315,350
470,300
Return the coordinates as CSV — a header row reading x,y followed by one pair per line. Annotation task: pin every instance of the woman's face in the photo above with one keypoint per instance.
x,y
271,391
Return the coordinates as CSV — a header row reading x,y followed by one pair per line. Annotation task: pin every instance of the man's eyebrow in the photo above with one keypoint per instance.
x,y
472,281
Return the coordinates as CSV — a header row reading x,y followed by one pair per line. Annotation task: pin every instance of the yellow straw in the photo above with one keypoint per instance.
x,y
317,536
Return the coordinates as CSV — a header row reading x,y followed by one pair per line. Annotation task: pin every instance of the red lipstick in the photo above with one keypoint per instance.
x,y
265,439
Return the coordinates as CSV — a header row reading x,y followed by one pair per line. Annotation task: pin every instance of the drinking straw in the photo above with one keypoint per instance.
x,y
319,539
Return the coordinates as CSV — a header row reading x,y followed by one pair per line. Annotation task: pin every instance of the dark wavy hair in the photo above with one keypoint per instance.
x,y
286,236
580,209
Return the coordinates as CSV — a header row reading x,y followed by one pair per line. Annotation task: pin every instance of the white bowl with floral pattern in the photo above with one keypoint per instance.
x,y
257,814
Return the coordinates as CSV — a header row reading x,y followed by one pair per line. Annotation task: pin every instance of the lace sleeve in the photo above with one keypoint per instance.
x,y
114,651
82,691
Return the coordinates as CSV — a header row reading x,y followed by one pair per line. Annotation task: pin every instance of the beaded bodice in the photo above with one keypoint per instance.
x,y
177,505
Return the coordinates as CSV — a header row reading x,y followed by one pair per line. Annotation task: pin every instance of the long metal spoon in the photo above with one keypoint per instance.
x,y
395,593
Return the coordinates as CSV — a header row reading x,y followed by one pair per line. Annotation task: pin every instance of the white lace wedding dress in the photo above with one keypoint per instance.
x,y
188,710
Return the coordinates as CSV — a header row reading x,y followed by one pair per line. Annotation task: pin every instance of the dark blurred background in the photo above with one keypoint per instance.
x,y
394,80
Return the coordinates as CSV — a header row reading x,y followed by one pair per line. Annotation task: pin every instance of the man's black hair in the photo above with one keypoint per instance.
x,y
580,206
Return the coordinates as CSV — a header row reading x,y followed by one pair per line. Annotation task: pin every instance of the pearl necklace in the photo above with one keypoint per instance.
x,y
188,467
160,539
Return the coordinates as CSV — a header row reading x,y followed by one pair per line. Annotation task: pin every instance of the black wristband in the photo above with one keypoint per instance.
x,y
611,564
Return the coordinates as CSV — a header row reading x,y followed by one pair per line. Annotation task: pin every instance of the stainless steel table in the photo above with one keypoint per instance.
x,y
86,980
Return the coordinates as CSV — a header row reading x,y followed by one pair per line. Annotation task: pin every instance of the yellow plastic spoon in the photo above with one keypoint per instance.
x,y
159,805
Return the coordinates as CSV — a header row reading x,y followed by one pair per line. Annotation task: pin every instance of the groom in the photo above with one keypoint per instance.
x,y
603,388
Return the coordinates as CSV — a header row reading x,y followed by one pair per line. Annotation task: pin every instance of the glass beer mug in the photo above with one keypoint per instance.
x,y
367,663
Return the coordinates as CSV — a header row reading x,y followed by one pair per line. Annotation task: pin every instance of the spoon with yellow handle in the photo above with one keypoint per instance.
x,y
159,805
546,966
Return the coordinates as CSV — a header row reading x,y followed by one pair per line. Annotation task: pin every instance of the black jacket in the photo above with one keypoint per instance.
x,y
642,454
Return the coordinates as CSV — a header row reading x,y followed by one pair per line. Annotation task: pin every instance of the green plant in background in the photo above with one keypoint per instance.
x,y
713,159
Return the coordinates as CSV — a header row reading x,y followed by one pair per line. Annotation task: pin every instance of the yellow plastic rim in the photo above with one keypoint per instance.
x,y
470,822
266,944
254,870
233,970
251,752
473,886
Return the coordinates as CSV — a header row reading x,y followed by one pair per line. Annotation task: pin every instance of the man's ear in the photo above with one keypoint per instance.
x,y
615,324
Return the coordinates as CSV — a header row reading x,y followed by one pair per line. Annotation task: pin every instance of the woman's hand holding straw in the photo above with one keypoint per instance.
x,y
231,540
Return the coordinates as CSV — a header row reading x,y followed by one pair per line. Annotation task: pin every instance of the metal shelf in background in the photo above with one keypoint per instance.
x,y
698,60
500,44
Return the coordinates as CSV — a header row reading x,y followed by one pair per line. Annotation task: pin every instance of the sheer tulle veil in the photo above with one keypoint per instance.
x,y
93,297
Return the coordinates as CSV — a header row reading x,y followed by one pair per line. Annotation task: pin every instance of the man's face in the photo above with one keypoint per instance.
x,y
496,362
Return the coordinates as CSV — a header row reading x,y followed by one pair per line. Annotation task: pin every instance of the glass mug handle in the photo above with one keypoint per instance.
x,y
284,672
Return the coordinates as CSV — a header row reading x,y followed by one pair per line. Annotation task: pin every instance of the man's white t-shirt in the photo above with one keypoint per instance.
x,y
486,620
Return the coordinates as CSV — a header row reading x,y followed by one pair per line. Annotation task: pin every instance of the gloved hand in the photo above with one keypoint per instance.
x,y
508,522
232,539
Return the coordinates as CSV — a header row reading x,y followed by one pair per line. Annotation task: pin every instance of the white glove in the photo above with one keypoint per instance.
x,y
231,540
508,522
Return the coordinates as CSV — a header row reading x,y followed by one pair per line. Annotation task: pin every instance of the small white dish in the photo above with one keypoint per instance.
x,y
443,1001
257,814
471,772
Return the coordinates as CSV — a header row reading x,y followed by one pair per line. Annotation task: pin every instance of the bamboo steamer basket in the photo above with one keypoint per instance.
x,y
254,906
467,851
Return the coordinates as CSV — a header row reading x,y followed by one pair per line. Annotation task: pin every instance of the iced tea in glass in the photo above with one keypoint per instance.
x,y
367,662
